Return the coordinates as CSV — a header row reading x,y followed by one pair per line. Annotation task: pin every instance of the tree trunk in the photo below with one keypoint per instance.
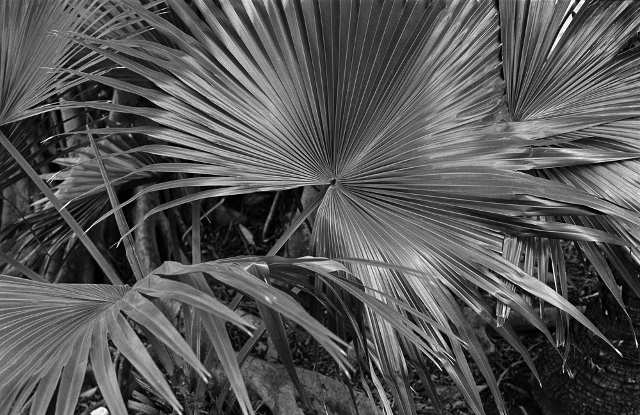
x,y
597,381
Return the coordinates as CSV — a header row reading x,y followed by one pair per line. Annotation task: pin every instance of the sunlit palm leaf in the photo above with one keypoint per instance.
x,y
393,105
557,65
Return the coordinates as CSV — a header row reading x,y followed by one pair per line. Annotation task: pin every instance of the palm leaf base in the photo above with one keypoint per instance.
x,y
595,380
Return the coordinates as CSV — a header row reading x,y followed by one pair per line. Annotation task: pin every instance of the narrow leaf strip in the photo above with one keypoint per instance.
x,y
155,286
145,313
128,343
73,375
123,227
220,339
104,369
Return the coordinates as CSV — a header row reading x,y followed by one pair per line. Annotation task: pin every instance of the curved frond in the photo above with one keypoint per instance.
x,y
236,273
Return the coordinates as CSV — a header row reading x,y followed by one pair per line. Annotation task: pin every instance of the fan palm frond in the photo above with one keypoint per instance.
x,y
395,108
78,318
35,49
562,63
31,59
42,324
32,55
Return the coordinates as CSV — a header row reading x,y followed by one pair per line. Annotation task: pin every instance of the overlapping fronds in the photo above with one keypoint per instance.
x,y
566,66
31,63
37,62
38,59
48,331
395,106
81,189
36,139
81,176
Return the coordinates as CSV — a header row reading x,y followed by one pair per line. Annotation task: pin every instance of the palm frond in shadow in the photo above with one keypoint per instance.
x,y
81,189
35,53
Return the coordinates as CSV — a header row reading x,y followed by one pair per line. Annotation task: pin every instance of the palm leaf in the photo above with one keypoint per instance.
x,y
78,317
31,59
567,63
559,65
41,323
39,61
28,79
394,106
35,138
